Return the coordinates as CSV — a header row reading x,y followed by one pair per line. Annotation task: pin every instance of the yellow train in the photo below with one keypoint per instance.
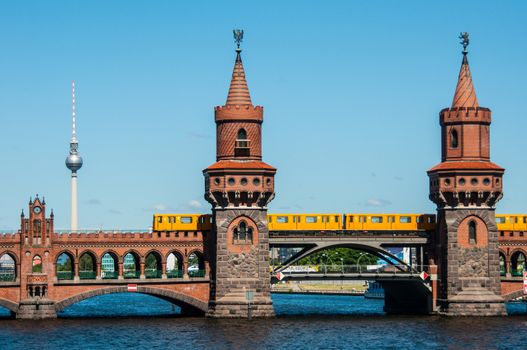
x,y
332,221
182,222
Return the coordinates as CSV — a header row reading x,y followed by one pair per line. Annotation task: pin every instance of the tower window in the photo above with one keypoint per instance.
x,y
472,232
242,234
454,142
242,143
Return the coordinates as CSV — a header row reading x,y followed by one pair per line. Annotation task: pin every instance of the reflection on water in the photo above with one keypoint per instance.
x,y
303,322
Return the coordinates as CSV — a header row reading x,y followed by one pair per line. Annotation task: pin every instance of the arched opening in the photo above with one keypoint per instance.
x,y
7,268
472,232
64,267
454,141
242,143
87,266
37,264
503,269
131,267
517,263
242,234
153,265
174,265
196,265
109,266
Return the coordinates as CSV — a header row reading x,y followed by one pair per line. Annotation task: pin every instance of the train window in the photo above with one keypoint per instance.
x,y
376,219
324,219
186,220
500,220
515,219
282,219
419,220
511,220
269,218
525,219
405,219
431,220
311,219
350,218
160,219
362,219
336,218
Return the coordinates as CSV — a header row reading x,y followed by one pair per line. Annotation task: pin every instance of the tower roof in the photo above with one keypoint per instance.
x,y
238,91
465,95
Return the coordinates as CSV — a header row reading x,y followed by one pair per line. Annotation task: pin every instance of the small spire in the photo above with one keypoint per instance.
x,y
43,200
30,200
22,213
73,116
465,95
238,90
51,215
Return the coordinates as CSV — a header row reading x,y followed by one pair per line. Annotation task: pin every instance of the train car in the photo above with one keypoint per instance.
x,y
389,222
182,222
304,222
511,222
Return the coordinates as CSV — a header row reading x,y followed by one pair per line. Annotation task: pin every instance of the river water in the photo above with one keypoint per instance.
x,y
119,321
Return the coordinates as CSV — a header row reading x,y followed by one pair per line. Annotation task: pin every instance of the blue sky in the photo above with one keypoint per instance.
x,y
351,90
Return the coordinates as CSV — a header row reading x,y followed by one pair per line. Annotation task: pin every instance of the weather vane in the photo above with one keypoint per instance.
x,y
464,40
238,36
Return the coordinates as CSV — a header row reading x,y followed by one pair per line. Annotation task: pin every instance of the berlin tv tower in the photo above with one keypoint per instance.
x,y
74,163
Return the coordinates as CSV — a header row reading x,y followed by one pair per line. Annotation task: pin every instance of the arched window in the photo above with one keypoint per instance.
x,y
196,265
454,142
242,143
472,232
7,268
242,234
174,266
87,266
503,269
64,267
37,264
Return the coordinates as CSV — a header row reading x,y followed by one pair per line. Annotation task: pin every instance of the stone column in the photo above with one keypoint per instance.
x,y
163,270
120,276
76,271
98,271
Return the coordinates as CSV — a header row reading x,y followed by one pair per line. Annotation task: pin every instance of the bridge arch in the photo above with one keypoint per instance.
x,y
10,305
187,303
377,251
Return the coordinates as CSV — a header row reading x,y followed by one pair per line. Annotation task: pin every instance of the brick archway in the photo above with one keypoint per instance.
x,y
182,300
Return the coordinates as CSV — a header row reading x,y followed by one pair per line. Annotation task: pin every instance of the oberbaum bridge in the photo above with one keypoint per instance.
x,y
460,257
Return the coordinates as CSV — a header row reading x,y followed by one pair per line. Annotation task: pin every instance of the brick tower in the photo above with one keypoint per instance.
x,y
466,186
37,262
239,186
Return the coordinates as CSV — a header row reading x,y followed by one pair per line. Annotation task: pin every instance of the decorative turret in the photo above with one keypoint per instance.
x,y
466,186
466,176
239,186
239,177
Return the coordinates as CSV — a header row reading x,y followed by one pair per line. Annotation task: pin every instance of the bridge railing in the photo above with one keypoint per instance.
x,y
318,270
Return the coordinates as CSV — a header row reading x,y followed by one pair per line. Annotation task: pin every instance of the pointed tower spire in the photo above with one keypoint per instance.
x,y
465,95
238,91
